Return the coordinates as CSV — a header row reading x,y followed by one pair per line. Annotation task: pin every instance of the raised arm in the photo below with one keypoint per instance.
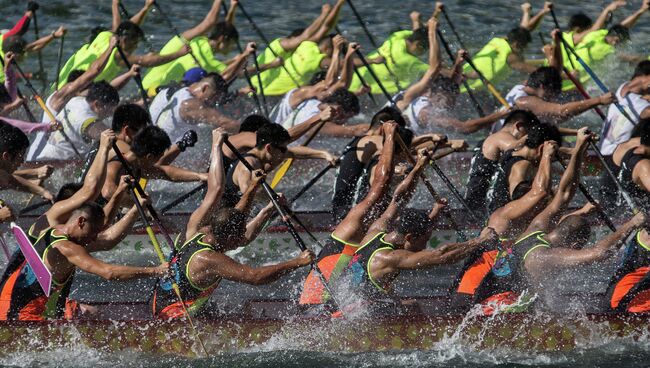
x,y
115,12
256,225
211,18
153,59
332,74
44,41
237,66
230,16
556,61
329,22
216,185
631,20
138,17
247,198
109,238
123,79
601,21
529,23
292,43
194,111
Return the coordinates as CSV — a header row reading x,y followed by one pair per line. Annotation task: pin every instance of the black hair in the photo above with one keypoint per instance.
x,y
12,139
296,32
151,140
228,223
15,44
619,31
541,133
526,118
574,228
5,98
546,77
74,75
67,191
103,93
93,212
217,81
520,36
406,134
94,32
132,116
442,84
580,21
420,35
128,29
346,99
642,130
273,134
253,123
415,222
318,77
641,69
388,113
225,30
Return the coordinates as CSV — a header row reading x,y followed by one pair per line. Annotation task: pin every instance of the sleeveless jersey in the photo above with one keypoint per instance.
x,y
492,61
638,194
358,270
169,118
631,279
267,57
301,66
85,56
481,173
499,193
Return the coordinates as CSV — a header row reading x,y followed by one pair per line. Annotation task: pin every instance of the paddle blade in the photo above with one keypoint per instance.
x,y
282,171
43,275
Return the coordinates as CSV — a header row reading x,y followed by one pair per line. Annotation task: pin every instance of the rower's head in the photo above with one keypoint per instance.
x,y
539,134
388,113
74,75
223,37
346,101
227,229
519,122
252,123
128,120
129,35
85,223
15,44
272,141
519,38
103,99
325,45
149,144
13,147
318,77
580,22
617,35
406,135
210,89
67,190
416,228
443,92
418,42
642,131
546,81
572,232
642,69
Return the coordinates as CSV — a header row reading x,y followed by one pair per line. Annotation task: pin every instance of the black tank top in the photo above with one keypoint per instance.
x,y
347,176
232,194
164,295
638,194
500,191
358,270
635,256
480,174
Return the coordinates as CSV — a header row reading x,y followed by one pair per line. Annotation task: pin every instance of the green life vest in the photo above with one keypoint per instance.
x,y
87,54
2,70
592,50
406,67
174,70
266,57
302,65
492,61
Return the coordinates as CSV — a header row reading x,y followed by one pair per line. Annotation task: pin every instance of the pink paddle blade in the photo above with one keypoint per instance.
x,y
43,275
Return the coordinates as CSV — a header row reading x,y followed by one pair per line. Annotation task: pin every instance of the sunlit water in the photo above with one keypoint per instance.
x,y
477,21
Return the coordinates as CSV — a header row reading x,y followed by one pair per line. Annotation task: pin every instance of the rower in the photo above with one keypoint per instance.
x,y
517,165
129,34
62,249
269,152
502,55
82,120
349,233
13,146
487,156
509,222
397,241
192,105
201,262
147,149
428,102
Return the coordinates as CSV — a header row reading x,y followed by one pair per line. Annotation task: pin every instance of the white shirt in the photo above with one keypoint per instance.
x,y
41,137
283,109
305,111
619,129
515,93
75,117
168,118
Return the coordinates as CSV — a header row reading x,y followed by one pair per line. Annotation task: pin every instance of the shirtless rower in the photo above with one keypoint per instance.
x,y
201,262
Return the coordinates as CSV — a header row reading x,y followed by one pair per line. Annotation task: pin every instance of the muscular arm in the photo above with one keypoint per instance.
x,y
466,127
557,112
303,152
17,182
292,43
297,131
109,238
117,18
256,225
445,254
329,22
194,111
220,265
138,17
211,18
175,174
631,20
343,131
152,59
236,67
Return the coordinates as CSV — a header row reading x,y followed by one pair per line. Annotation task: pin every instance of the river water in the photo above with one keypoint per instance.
x,y
477,22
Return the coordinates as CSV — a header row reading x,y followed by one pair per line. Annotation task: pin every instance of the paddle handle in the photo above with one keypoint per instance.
x,y
374,76
137,78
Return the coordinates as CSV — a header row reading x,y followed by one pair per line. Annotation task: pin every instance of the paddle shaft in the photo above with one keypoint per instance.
x,y
487,83
374,76
626,196
167,20
47,111
453,29
261,109
41,69
161,258
259,81
601,212
273,196
557,25
597,80
59,62
361,79
137,77
475,102
287,164
266,40
182,198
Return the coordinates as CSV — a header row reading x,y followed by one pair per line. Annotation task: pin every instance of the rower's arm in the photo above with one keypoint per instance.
x,y
343,131
152,59
518,174
109,238
565,257
216,185
329,22
247,198
445,254
17,182
110,209
117,18
519,64
557,61
123,79
138,17
236,67
332,74
601,21
469,126
642,173
631,20
230,16
256,225
78,256
44,41
555,111
194,111
292,43
529,23
297,131
243,141
219,265
175,174
211,18
304,152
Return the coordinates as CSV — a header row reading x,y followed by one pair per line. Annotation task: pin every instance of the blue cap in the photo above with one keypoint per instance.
x,y
194,75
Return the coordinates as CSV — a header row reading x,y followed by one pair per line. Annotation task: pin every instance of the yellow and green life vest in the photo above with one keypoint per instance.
x,y
492,61
267,57
301,66
87,54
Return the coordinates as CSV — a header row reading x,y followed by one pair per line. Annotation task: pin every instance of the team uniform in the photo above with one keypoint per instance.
x,y
492,61
165,113
87,54
481,174
499,193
